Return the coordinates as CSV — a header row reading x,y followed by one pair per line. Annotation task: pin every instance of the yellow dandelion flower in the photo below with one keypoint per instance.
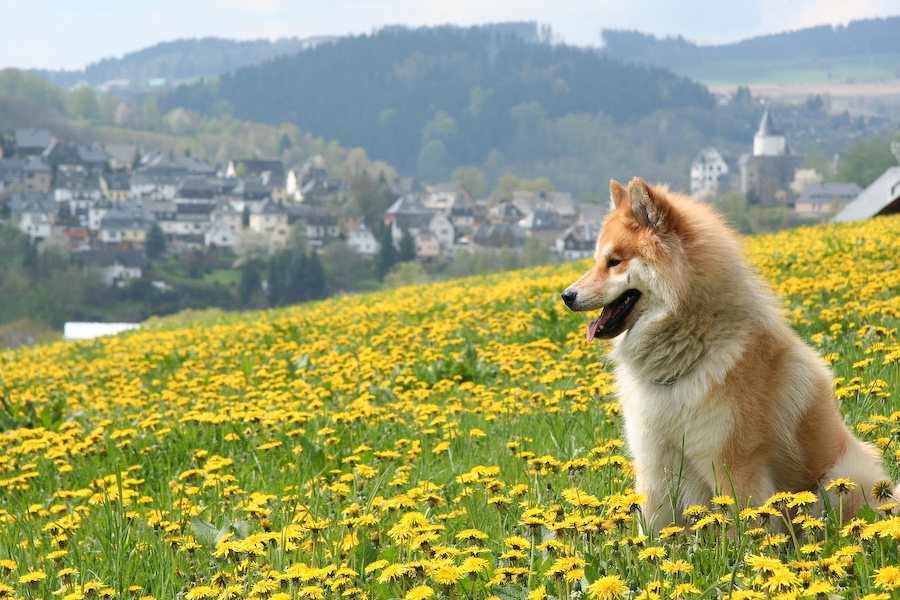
x,y
887,578
33,576
538,593
420,592
607,588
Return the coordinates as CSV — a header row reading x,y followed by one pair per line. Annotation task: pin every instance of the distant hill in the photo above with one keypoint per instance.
x,y
180,60
867,37
426,100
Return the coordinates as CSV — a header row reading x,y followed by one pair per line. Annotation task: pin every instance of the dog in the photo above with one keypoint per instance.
x,y
719,395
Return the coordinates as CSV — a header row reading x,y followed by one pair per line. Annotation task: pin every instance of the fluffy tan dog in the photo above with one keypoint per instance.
x,y
719,394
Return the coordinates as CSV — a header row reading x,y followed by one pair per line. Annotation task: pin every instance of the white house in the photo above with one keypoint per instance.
x,y
115,266
363,241
708,171
35,222
219,235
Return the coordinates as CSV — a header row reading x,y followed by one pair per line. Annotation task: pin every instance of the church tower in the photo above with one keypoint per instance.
x,y
769,140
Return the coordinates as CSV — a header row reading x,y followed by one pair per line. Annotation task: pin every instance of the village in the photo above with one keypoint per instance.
x,y
108,202
113,204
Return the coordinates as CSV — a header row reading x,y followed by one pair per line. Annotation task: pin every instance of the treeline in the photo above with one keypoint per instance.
x,y
430,99
868,36
179,60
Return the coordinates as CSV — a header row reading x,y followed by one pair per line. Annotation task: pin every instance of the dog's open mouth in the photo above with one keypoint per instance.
x,y
612,319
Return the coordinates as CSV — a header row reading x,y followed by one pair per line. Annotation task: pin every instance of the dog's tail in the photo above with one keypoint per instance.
x,y
860,464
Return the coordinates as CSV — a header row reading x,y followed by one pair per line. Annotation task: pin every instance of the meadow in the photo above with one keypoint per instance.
x,y
459,440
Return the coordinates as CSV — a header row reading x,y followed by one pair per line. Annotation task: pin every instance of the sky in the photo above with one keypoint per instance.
x,y
70,34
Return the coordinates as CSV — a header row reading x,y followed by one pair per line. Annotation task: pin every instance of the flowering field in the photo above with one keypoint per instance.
x,y
458,440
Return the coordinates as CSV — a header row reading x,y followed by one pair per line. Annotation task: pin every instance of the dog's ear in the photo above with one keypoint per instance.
x,y
617,193
649,208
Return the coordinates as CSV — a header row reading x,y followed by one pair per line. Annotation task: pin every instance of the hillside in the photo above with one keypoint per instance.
x,y
180,60
398,444
865,49
427,100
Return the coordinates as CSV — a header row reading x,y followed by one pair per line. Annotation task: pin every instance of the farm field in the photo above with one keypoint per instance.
x,y
458,440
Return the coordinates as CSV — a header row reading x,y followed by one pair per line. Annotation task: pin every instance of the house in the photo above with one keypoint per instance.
x,y
116,185
78,238
36,175
443,230
125,225
19,203
248,193
31,142
323,191
35,221
452,200
115,266
219,235
154,185
93,158
226,213
297,178
498,235
166,163
709,171
577,242
505,212
254,167
121,156
559,205
195,189
428,247
76,189
823,200
320,222
407,212
766,174
363,241
271,220
542,227
882,197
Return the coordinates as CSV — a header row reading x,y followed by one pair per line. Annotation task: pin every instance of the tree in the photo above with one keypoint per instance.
x,y
471,178
156,241
407,250
250,286
432,161
387,254
865,161
82,103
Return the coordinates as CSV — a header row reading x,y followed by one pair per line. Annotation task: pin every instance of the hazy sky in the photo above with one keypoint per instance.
x,y
70,34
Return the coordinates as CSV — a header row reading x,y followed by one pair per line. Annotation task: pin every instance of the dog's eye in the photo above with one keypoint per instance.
x,y
612,262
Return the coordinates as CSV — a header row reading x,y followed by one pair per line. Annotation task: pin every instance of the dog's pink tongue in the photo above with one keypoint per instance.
x,y
596,324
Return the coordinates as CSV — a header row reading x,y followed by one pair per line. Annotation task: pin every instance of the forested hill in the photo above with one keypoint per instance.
x,y
427,100
180,60
869,36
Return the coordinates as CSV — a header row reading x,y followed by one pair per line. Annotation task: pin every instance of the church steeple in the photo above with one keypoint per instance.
x,y
769,139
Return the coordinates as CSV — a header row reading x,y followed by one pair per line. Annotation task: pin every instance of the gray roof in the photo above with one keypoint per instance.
x,y
767,125
42,202
408,204
875,200
826,192
106,258
32,138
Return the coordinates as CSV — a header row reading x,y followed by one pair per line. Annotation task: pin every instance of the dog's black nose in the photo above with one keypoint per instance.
x,y
568,297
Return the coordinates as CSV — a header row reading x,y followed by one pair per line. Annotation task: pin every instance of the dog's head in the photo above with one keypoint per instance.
x,y
628,278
